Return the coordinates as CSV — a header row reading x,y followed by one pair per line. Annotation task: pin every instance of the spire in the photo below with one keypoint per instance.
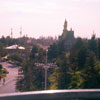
x,y
11,32
93,32
71,29
65,25
20,31
65,21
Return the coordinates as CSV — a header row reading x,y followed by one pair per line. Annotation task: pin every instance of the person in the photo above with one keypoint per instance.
x,y
4,81
0,80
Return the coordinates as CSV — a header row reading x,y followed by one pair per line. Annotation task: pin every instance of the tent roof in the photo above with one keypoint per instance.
x,y
15,47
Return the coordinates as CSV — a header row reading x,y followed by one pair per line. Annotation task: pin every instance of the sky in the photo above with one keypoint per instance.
x,y
46,17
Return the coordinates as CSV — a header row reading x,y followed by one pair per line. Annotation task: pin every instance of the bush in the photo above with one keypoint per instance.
x,y
15,57
1,67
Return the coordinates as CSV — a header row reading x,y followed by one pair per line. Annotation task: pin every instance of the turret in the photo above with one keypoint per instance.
x,y
20,32
11,32
65,25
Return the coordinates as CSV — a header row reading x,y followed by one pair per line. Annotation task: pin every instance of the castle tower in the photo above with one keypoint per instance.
x,y
65,25
65,29
67,37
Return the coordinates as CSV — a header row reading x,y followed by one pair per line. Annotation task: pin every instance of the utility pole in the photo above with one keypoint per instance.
x,y
46,69
46,65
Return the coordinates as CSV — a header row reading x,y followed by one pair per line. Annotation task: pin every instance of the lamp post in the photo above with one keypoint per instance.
x,y
46,65
46,69
46,56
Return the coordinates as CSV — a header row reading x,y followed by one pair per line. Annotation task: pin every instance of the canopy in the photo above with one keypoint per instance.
x,y
15,47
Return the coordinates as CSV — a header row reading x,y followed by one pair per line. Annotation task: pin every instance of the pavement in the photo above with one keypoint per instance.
x,y
10,84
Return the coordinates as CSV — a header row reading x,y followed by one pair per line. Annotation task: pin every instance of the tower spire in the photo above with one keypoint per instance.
x,y
20,31
11,32
65,25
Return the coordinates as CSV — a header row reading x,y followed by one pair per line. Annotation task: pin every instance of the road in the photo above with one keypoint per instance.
x,y
10,84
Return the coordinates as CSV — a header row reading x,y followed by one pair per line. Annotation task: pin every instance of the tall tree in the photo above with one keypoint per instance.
x,y
93,44
98,44
91,73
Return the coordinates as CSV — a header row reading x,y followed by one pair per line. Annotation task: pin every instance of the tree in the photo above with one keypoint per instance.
x,y
98,44
31,78
82,54
33,52
78,55
0,67
3,72
37,54
92,43
76,80
91,73
60,77
0,71
53,51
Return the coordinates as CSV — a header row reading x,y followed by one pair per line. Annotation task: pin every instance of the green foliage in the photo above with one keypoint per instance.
x,y
76,80
37,54
77,68
0,67
78,54
15,57
91,73
32,79
3,72
34,52
53,78
93,44
82,54
52,52
98,45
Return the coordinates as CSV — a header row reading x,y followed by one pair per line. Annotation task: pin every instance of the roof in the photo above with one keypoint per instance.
x,y
15,47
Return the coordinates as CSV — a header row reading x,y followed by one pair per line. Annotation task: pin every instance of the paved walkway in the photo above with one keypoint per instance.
x,y
10,83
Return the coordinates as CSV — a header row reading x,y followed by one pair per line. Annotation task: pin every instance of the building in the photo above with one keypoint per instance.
x,y
67,37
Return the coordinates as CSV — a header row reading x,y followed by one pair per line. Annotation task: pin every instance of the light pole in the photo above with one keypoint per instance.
x,y
46,69
46,56
46,65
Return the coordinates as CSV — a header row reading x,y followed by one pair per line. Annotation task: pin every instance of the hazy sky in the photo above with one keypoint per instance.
x,y
46,17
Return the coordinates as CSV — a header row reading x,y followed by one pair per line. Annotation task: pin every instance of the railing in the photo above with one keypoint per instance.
x,y
54,95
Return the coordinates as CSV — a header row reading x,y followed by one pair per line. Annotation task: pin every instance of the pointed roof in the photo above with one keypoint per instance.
x,y
71,29
65,21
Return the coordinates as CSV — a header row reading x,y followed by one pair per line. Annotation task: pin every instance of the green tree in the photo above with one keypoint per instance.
x,y
1,67
53,51
98,44
78,55
76,80
91,73
93,44
38,54
60,77
31,78
82,54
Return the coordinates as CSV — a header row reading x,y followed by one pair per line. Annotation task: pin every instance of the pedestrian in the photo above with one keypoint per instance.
x,y
4,81
0,79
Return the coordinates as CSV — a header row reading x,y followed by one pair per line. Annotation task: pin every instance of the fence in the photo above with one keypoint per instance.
x,y
54,95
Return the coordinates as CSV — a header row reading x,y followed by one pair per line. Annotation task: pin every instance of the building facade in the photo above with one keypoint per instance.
x,y
67,37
